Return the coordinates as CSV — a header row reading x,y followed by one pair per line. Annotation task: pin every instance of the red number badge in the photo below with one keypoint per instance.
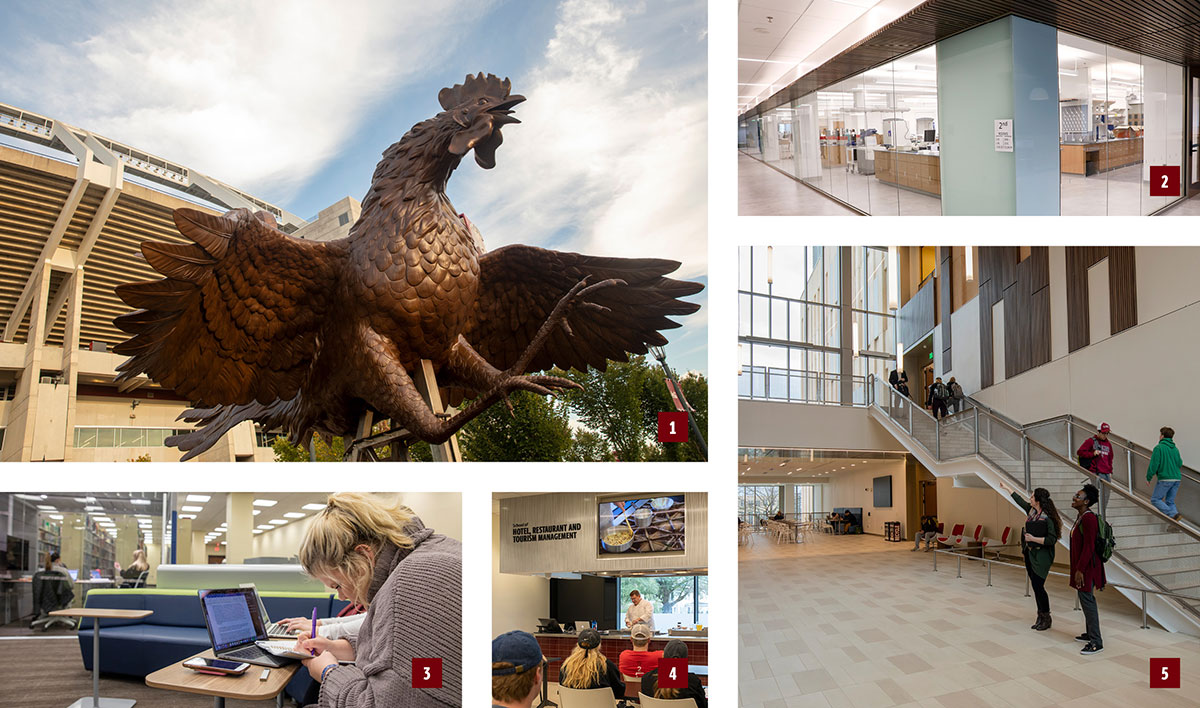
x,y
427,673
1164,181
1164,673
673,426
672,673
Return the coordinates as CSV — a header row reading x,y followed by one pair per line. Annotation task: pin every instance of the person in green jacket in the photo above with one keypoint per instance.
x,y
1165,463
1038,551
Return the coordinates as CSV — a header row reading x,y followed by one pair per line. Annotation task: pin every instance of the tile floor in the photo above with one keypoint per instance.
x,y
764,192
857,621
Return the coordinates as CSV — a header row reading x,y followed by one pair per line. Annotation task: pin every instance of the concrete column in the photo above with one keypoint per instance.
x,y
199,551
126,542
18,439
183,554
70,358
239,520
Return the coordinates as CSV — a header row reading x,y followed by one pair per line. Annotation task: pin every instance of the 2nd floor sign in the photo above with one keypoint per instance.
x,y
1004,135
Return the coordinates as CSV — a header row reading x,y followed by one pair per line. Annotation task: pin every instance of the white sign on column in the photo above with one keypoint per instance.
x,y
1004,135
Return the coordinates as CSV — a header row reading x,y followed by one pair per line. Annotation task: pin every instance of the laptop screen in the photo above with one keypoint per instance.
x,y
231,616
74,573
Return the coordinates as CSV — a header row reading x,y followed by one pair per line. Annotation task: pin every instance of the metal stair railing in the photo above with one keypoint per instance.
x,y
1007,448
1131,461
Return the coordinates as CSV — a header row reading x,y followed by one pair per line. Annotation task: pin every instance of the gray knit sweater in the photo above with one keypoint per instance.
x,y
415,611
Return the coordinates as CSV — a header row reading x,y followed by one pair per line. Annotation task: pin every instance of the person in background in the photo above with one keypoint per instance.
x,y
778,516
1096,455
938,395
640,611
637,661
587,667
894,379
517,666
903,387
1165,463
1087,570
410,579
927,533
957,399
834,520
849,521
136,568
1038,551
54,564
675,649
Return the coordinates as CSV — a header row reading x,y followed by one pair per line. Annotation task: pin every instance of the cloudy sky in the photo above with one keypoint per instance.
x,y
295,102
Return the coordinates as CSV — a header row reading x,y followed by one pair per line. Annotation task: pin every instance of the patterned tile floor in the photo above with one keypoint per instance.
x,y
856,621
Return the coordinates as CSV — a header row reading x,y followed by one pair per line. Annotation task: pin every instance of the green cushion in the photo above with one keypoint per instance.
x,y
192,593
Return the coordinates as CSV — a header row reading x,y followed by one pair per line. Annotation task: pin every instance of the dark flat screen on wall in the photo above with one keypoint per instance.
x,y
883,491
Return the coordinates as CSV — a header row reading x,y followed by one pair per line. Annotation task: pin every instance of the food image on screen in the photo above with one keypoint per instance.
x,y
653,525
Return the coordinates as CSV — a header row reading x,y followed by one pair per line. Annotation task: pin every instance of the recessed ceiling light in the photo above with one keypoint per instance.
x,y
257,531
56,517
31,497
278,522
191,508
313,507
93,508
142,502
294,515
187,516
265,502
265,527
198,497
257,512
46,507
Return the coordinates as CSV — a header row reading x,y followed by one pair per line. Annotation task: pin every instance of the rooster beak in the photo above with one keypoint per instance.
x,y
502,112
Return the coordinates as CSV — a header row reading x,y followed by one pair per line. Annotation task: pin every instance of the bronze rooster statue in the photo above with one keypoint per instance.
x,y
252,324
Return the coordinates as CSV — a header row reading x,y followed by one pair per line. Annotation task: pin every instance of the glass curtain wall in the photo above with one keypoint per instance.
x,y
1119,114
749,137
790,339
758,501
870,140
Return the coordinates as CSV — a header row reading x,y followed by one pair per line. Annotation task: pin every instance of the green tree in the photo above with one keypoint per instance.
x,y
611,404
538,429
664,591
656,397
588,446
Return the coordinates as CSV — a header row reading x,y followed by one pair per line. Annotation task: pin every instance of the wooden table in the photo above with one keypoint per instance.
x,y
246,687
96,614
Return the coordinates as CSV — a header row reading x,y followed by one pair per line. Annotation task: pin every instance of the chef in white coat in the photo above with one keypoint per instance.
x,y
639,612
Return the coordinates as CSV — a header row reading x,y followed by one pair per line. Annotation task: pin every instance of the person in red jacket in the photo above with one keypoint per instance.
x,y
639,661
1096,455
1087,570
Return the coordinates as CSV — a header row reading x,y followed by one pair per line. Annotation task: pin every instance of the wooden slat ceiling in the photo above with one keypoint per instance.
x,y
1164,29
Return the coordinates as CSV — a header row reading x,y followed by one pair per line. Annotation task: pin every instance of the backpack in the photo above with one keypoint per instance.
x,y
955,390
1087,462
939,391
1104,539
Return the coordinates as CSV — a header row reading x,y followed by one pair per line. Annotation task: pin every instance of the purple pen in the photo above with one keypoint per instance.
x,y
314,631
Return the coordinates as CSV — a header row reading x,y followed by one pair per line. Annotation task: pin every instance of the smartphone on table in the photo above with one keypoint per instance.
x,y
224,666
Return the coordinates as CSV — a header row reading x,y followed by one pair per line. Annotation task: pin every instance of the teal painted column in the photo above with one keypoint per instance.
x,y
1007,69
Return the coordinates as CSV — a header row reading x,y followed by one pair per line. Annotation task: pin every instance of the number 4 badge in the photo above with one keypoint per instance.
x,y
672,673
673,426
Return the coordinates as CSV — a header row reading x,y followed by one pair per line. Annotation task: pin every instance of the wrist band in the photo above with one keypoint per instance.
x,y
325,671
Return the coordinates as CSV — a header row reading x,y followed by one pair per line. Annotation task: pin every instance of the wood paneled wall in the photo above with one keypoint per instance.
x,y
1024,286
1122,288
945,276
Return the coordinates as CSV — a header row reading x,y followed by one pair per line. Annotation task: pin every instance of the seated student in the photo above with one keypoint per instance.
x,y
517,666
54,564
410,580
637,661
135,569
849,521
675,650
778,516
587,667
927,533
833,520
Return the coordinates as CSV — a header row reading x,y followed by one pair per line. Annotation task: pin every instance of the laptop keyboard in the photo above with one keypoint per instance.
x,y
251,652
278,629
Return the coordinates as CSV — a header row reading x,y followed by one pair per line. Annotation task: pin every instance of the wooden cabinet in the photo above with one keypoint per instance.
x,y
1074,158
921,173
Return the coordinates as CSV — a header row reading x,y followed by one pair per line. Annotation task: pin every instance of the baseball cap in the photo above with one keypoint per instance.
x,y
517,648
675,649
640,631
1104,428
589,639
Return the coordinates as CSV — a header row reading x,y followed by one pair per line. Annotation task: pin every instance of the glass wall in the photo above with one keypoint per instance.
x,y
677,599
870,140
756,501
790,339
1119,114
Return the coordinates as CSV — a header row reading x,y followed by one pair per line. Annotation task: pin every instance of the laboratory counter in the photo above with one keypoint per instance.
x,y
920,171
1101,156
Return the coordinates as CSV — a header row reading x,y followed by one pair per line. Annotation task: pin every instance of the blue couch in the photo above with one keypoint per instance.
x,y
176,629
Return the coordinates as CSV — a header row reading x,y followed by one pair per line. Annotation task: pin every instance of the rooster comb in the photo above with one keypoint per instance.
x,y
474,87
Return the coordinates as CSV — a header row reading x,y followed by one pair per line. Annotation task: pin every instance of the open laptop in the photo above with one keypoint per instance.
x,y
74,573
235,626
274,629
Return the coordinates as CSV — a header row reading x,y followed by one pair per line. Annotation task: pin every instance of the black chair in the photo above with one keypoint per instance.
x,y
51,591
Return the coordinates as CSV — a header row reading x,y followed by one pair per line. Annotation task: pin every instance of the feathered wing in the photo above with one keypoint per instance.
x,y
236,318
520,285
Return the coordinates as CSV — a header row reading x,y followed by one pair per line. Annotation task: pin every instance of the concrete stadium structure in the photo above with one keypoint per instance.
x,y
74,208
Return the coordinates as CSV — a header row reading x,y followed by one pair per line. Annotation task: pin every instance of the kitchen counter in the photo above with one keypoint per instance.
x,y
1101,156
559,646
918,171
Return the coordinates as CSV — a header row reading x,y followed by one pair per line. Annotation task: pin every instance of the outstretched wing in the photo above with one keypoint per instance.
x,y
520,285
236,317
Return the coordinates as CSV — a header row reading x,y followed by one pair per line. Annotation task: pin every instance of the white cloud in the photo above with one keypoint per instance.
x,y
258,95
612,149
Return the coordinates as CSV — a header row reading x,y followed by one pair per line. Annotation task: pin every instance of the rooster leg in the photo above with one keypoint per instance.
x,y
469,366
575,297
388,387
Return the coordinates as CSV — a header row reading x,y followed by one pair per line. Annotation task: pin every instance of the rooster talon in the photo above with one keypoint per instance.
x,y
595,307
567,328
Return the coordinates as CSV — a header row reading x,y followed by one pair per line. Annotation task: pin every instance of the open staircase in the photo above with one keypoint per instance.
x,y
1152,552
